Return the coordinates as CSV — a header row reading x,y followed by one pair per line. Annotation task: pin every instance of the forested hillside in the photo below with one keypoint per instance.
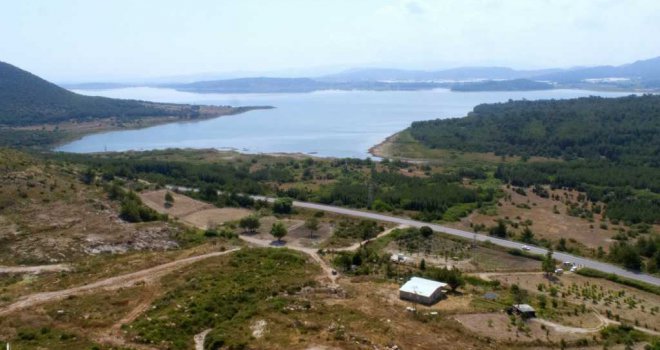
x,y
26,99
626,128
610,147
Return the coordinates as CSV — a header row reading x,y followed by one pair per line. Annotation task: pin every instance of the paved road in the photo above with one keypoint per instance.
x,y
596,265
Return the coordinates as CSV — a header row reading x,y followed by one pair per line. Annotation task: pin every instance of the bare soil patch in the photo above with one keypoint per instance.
x,y
182,205
206,218
498,326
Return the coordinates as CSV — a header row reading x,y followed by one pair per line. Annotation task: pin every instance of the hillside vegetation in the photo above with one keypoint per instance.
x,y
611,147
26,99
626,128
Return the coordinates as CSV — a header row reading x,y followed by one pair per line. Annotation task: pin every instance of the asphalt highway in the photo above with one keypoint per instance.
x,y
580,261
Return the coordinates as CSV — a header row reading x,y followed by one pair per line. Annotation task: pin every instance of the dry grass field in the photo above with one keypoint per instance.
x,y
549,218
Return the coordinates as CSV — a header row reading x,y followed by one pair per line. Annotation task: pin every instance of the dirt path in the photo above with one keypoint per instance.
x,y
567,329
486,276
34,269
147,276
606,321
114,336
312,252
199,339
357,245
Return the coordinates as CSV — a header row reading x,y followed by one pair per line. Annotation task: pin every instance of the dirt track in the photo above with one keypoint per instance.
x,y
147,276
34,269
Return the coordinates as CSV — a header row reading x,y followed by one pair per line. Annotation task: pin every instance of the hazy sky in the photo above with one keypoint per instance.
x,y
83,40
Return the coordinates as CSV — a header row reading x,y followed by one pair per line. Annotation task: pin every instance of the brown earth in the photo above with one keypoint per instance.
x,y
546,223
500,328
192,211
182,205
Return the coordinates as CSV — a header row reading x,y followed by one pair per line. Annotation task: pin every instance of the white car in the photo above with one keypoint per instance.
x,y
574,268
525,247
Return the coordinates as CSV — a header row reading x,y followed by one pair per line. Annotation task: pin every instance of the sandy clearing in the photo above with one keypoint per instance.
x,y
214,216
182,206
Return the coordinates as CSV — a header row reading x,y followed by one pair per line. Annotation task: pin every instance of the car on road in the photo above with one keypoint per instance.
x,y
525,247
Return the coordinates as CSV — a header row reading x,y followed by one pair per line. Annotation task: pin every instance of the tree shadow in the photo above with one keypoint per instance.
x,y
278,243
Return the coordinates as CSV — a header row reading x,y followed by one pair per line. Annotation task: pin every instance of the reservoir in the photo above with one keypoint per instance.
x,y
324,123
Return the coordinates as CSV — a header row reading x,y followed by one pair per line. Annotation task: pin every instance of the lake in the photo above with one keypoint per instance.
x,y
324,123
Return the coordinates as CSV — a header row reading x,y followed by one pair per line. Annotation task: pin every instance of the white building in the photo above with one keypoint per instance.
x,y
421,290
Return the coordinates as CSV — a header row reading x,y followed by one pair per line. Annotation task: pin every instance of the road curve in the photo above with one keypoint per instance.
x,y
596,265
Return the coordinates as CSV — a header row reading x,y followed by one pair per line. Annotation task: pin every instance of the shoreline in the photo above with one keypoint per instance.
x,y
380,149
76,131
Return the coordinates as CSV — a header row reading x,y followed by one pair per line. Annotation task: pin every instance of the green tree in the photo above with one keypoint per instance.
x,y
543,301
312,224
548,263
130,211
168,197
499,230
282,206
426,231
453,277
527,235
517,294
278,230
561,246
249,223
422,265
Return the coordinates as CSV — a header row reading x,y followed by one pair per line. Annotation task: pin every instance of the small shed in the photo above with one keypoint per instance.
x,y
422,290
524,310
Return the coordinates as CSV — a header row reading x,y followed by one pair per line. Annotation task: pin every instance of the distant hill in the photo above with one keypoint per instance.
x,y
640,75
97,86
502,85
454,74
645,71
26,99
293,85
617,129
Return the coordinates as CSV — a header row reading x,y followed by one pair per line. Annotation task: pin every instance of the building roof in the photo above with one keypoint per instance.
x,y
524,308
422,286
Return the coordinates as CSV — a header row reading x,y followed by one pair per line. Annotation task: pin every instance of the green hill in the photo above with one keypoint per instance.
x,y
26,99
615,129
610,147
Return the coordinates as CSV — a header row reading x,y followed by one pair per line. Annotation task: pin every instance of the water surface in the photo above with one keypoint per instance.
x,y
326,123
